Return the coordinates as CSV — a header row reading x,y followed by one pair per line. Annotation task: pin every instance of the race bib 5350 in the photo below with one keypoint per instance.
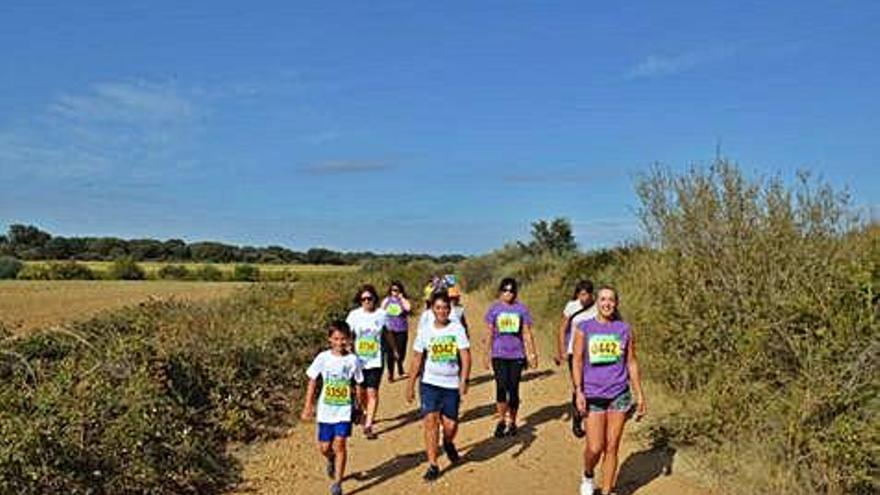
x,y
604,348
444,349
507,322
337,392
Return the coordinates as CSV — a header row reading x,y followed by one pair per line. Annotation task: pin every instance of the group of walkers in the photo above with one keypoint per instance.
x,y
597,344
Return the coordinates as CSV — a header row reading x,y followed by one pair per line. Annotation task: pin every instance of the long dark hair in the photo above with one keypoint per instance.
x,y
508,282
399,285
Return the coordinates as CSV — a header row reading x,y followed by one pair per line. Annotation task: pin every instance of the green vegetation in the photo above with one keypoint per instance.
x,y
9,267
756,303
28,242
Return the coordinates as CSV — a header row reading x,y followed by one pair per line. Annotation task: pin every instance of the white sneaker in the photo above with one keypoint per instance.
x,y
586,486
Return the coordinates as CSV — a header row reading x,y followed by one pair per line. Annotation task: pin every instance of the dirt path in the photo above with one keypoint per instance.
x,y
544,457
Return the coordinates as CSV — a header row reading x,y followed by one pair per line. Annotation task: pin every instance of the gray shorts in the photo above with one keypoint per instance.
x,y
622,403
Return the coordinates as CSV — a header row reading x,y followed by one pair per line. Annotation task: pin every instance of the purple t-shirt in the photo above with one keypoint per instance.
x,y
507,322
605,345
395,314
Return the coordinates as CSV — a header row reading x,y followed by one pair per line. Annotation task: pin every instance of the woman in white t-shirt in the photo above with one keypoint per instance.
x,y
368,328
581,307
444,348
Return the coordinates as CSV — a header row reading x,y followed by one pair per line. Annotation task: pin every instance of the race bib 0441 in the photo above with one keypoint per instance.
x,y
508,322
443,349
367,346
337,392
605,348
393,309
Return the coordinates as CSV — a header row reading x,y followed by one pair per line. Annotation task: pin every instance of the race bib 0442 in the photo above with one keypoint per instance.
x,y
508,322
605,348
443,349
337,392
367,346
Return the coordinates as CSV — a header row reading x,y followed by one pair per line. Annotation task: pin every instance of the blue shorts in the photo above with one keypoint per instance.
x,y
328,431
439,399
622,403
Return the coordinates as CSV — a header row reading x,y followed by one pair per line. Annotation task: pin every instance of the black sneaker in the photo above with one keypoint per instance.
x,y
331,466
577,425
511,430
499,429
451,452
432,473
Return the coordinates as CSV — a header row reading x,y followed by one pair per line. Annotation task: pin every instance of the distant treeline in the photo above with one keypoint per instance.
x,y
30,243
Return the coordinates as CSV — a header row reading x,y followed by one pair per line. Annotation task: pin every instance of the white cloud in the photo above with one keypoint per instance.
x,y
112,127
661,65
336,167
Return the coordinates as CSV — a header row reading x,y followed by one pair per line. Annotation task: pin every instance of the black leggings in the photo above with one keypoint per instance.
x,y
508,373
400,339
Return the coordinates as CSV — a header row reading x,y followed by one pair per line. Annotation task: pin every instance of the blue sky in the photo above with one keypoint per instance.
x,y
407,126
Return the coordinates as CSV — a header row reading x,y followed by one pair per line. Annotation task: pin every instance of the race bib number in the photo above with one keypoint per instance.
x,y
394,309
337,392
605,348
444,349
367,346
508,323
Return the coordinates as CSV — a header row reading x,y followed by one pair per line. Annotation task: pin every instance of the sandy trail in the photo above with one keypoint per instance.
x,y
544,457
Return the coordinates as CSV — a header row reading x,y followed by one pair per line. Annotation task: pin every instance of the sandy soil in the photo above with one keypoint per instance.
x,y
544,457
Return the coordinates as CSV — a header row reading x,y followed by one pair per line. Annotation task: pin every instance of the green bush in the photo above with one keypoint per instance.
x,y
761,293
208,273
69,270
173,272
246,273
10,267
136,402
34,272
126,268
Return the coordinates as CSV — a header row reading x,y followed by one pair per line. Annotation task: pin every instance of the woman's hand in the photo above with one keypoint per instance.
x,y
641,408
533,361
581,402
463,388
410,392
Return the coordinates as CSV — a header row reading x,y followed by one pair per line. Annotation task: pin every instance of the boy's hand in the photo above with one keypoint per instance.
x,y
307,413
463,388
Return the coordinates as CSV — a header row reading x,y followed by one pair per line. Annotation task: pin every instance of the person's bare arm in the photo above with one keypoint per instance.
x,y
635,378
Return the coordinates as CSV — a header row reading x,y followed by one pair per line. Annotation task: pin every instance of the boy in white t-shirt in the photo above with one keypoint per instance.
x,y
580,308
444,348
338,369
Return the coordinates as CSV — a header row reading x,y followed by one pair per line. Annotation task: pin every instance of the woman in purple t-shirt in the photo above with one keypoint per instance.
x,y
397,309
509,341
605,368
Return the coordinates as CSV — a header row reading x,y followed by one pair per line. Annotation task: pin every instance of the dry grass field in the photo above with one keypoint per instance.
x,y
25,305
151,267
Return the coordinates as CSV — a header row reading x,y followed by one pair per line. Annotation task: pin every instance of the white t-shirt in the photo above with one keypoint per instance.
x,y
440,347
456,313
367,330
589,314
571,307
336,372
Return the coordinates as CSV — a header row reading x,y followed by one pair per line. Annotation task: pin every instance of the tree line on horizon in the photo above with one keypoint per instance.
x,y
28,242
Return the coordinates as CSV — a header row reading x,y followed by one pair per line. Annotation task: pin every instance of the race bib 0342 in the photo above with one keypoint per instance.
x,y
444,349
605,348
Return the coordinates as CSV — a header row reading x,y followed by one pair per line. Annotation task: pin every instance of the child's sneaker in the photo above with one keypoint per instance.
x,y
331,466
451,452
511,430
432,473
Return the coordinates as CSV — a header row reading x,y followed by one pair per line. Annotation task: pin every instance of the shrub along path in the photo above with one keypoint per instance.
x,y
544,457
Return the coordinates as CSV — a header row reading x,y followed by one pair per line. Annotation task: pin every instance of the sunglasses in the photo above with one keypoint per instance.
x,y
508,289
367,298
